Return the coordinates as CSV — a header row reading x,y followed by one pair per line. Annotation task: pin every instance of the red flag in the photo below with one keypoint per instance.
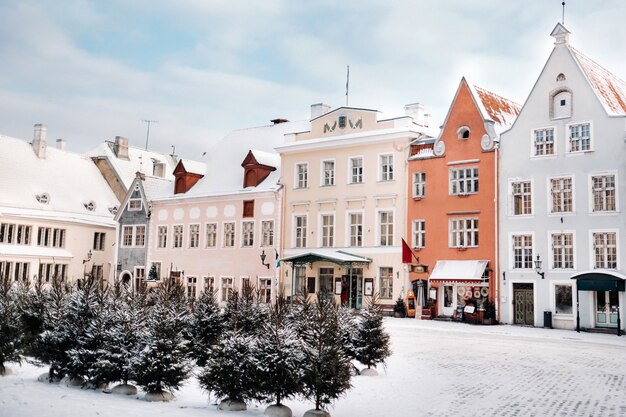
x,y
407,254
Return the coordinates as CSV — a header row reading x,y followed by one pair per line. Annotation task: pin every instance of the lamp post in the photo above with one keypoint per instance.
x,y
538,267
263,256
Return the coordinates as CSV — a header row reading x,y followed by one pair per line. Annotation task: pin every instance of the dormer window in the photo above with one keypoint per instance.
x,y
90,206
463,132
43,198
134,204
561,104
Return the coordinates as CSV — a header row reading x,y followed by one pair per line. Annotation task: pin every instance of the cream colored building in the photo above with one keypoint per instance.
x,y
344,203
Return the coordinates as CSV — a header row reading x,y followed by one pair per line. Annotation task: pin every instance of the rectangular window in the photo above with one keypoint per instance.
x,y
211,235
155,271
45,272
247,234
386,167
23,234
356,170
561,192
194,235
140,272
265,293
209,284
522,252
522,198
326,280
162,236
302,175
5,269
419,233
6,233
97,271
127,235
605,250
356,229
328,173
386,283
227,288
267,233
463,233
58,238
419,184
229,235
463,181
21,271
328,230
603,190
300,280
544,142
385,228
134,204
563,251
192,283
98,240
300,230
43,236
563,299
178,236
579,137
248,208
140,235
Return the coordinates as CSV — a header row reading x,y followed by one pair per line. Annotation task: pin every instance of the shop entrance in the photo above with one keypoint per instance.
x,y
523,304
607,309
356,288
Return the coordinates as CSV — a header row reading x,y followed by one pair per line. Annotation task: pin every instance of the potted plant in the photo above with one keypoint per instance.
x,y
399,310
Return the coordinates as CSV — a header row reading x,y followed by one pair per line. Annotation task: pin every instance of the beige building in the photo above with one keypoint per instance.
x,y
344,204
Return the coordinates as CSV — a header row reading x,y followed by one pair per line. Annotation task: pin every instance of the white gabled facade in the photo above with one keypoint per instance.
x,y
561,186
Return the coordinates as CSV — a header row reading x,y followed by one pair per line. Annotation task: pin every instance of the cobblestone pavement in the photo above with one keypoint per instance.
x,y
511,372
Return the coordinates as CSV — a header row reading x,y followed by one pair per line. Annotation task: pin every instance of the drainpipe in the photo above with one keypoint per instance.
x,y
496,274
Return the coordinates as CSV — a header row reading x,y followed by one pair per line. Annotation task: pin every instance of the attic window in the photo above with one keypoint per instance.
x,y
43,198
248,208
113,210
91,206
561,104
463,132
560,77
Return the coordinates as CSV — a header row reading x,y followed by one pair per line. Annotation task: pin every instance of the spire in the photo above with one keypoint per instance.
x,y
560,34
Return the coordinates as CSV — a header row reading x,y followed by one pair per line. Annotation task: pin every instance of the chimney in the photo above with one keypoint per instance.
x,y
428,119
158,169
319,109
39,140
61,144
121,147
416,111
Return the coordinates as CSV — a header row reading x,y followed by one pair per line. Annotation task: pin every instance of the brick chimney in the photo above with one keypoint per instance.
x,y
121,147
39,140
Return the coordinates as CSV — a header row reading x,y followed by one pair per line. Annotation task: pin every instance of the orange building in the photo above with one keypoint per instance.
x,y
452,205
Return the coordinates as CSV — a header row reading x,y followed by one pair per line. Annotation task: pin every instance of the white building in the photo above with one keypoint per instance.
x,y
562,194
56,212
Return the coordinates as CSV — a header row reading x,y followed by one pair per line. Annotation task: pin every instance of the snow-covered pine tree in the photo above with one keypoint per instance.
x,y
243,312
231,372
153,274
327,367
9,324
205,328
349,330
280,358
32,305
162,364
372,341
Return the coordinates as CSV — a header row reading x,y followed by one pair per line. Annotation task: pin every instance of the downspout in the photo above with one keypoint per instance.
x,y
496,274
279,235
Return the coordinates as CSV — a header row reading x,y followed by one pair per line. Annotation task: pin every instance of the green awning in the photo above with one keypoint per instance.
x,y
325,255
600,281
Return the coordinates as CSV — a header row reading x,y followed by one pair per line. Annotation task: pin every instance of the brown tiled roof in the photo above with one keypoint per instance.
x,y
501,110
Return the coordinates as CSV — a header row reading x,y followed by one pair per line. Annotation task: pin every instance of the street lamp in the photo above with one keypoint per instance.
x,y
263,256
88,257
538,267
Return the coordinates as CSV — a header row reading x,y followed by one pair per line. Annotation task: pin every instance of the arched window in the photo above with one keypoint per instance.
x,y
463,132
561,104
250,179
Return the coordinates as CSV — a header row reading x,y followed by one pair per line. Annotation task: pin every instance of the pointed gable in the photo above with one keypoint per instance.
x,y
257,167
184,179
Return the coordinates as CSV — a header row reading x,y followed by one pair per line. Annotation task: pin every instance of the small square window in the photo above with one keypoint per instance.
x,y
563,102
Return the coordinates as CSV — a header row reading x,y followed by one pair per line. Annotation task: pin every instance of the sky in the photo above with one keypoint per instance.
x,y
92,70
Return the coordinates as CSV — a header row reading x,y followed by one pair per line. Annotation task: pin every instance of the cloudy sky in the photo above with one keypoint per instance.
x,y
92,70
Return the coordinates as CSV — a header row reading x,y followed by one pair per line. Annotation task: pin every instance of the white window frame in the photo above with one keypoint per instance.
x,y
208,279
224,293
348,232
267,234
331,179
133,236
265,290
470,235
98,240
378,233
190,237
135,200
550,196
419,184
215,237
351,174
137,270
298,183
568,138
294,228
162,243
551,262
471,182
553,284
234,232
384,295
533,144
590,178
386,175
418,233
512,182
592,249
191,285
332,237
247,236
511,252
178,244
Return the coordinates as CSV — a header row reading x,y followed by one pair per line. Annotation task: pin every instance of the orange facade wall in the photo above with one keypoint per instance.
x,y
438,206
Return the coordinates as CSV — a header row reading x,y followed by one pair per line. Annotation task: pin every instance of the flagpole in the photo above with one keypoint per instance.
x,y
347,83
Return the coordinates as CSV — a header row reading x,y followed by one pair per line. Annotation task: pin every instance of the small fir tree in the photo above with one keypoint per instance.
x,y
32,305
152,274
205,328
372,340
9,324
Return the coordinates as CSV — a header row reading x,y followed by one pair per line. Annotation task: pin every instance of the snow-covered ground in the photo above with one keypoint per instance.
x,y
437,369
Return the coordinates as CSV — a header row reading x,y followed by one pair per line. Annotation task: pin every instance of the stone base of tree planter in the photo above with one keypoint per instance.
x,y
228,405
158,396
124,389
7,371
76,382
316,413
278,411
369,372
46,378
100,387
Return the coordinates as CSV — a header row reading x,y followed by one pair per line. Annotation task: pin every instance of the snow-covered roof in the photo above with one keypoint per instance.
x,y
155,186
63,185
194,166
224,174
498,109
610,89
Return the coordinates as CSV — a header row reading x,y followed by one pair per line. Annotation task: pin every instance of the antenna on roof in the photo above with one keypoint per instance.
x,y
563,16
148,132
173,150
347,83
